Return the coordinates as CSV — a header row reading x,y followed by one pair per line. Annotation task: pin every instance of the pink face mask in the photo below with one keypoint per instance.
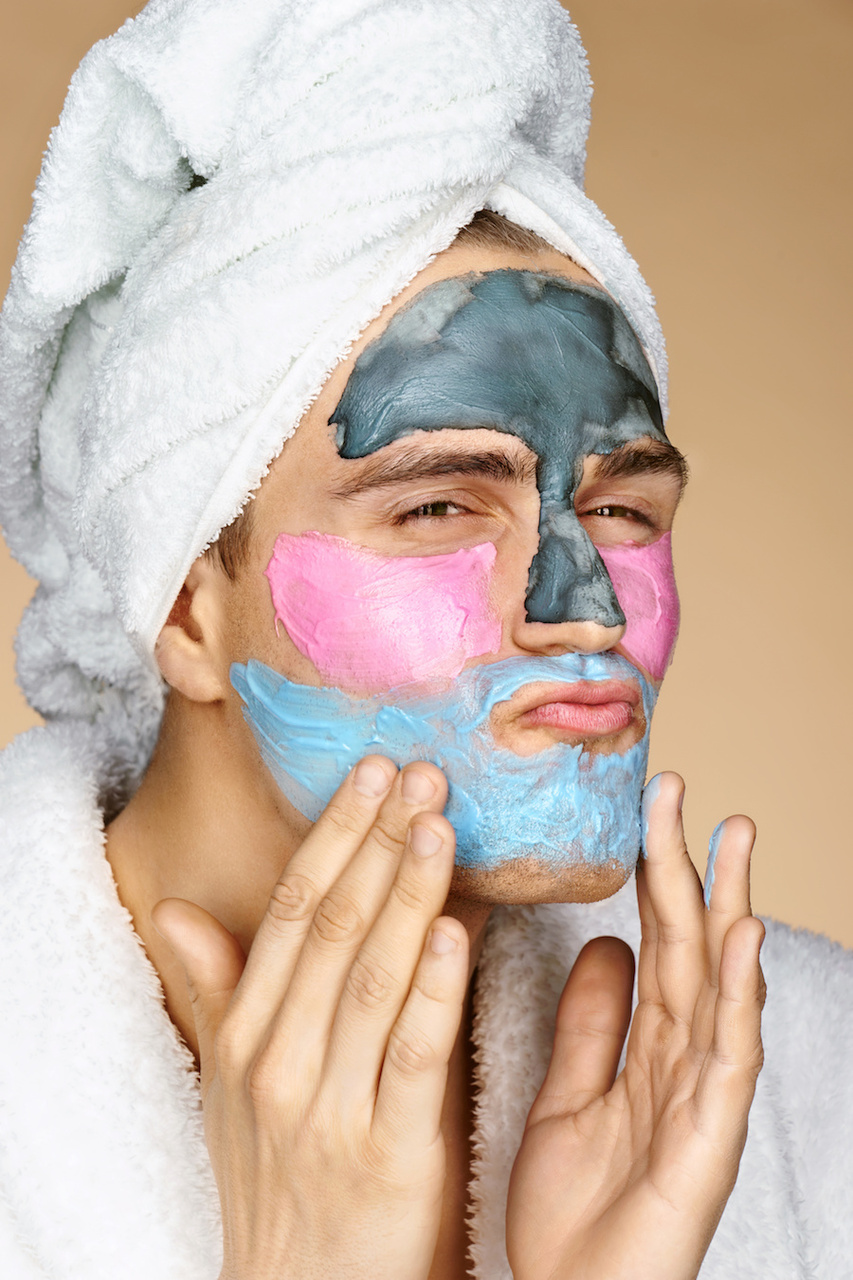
x,y
370,622
644,582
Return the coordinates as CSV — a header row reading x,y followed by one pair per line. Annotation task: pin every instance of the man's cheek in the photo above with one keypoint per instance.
x,y
369,622
644,582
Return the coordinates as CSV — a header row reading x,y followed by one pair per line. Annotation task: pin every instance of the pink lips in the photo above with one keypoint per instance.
x,y
588,709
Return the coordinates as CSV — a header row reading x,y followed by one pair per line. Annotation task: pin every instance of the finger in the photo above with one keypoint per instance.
x,y
380,978
647,978
212,960
413,1082
726,896
308,876
674,924
727,883
727,1080
346,915
592,1021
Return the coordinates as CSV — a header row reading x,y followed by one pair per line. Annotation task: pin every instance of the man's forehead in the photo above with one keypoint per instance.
x,y
537,356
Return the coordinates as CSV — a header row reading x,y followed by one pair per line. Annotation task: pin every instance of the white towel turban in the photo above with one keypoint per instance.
x,y
162,336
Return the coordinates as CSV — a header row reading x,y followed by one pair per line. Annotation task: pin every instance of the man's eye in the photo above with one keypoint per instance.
x,y
433,511
619,513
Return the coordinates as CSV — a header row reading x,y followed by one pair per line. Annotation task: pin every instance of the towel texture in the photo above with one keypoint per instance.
x,y
235,189
104,1173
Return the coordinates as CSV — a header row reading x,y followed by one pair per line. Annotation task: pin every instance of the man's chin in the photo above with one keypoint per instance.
x,y
522,881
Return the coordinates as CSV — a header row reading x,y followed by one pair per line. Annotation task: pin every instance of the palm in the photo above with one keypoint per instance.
x,y
626,1176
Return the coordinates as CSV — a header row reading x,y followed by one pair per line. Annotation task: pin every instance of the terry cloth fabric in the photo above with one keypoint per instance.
x,y
235,189
103,1168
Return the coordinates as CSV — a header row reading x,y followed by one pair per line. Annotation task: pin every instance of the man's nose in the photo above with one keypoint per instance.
x,y
570,600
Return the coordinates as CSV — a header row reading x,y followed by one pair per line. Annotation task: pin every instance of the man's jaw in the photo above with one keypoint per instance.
x,y
532,801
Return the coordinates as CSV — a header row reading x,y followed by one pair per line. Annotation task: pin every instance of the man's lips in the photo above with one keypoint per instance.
x,y
587,709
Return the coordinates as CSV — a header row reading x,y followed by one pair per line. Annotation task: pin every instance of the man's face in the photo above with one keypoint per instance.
x,y
430,571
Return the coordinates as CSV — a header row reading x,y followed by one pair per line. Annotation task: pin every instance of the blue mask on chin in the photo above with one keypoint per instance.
x,y
562,806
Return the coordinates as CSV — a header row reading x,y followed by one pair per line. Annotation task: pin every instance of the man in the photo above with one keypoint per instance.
x,y
170,840
337,1084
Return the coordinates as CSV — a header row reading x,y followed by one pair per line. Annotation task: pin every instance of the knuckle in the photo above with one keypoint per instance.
x,y
409,894
337,919
344,821
432,988
746,1063
292,900
230,1050
263,1079
672,934
409,1053
388,835
369,985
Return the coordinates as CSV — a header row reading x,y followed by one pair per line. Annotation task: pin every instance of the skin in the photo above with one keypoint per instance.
x,y
321,974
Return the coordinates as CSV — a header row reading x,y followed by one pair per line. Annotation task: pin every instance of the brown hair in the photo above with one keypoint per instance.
x,y
489,230
231,549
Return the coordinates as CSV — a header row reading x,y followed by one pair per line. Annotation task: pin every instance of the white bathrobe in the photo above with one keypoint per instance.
x,y
103,1167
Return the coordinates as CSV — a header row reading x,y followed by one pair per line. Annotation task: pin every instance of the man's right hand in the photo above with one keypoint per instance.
x,y
324,1054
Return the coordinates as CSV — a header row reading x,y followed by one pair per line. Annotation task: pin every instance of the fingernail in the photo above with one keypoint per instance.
x,y
441,943
371,779
713,846
417,787
424,841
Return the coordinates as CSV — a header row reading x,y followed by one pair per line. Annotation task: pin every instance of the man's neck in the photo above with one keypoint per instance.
x,y
209,825
206,826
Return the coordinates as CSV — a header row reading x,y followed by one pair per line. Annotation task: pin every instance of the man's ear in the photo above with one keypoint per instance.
x,y
190,650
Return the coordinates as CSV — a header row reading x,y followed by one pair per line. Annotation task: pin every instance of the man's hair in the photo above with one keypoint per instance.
x,y
486,230
231,549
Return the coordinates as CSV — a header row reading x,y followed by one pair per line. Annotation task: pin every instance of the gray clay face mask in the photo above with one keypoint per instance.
x,y
546,359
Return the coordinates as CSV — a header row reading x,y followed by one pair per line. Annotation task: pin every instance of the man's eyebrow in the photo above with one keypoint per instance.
x,y
639,456
499,464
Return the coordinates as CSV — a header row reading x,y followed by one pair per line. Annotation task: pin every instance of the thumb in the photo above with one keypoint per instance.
x,y
212,960
592,1022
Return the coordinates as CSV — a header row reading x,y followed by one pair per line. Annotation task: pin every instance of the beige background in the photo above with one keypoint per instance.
x,y
721,150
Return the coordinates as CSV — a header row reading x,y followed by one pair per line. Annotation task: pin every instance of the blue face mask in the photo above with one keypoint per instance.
x,y
561,806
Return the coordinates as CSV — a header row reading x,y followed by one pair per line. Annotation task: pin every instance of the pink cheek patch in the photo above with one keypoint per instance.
x,y
644,583
370,622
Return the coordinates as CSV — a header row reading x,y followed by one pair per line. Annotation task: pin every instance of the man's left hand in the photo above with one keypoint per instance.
x,y
624,1177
